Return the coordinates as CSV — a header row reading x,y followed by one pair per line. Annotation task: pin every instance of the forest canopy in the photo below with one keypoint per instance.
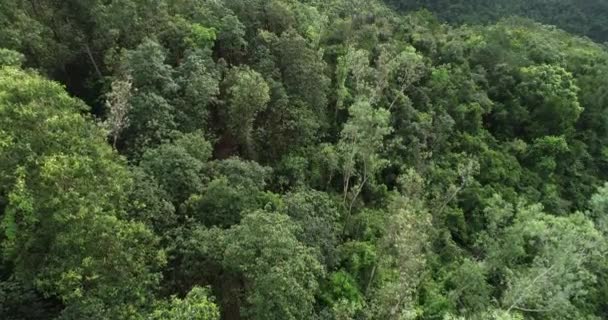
x,y
303,159
579,17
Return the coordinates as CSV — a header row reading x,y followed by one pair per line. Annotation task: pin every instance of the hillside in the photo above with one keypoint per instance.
x,y
588,17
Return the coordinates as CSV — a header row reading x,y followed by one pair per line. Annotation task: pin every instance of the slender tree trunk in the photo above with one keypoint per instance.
x,y
92,59
371,278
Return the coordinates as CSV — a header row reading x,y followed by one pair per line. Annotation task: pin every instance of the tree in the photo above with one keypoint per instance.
x,y
195,306
149,203
20,301
152,120
360,143
177,166
11,58
146,64
248,94
403,69
470,290
579,18
65,190
319,219
490,315
402,258
355,64
285,126
235,187
599,207
303,71
118,104
543,259
231,38
551,96
198,79
152,116
280,273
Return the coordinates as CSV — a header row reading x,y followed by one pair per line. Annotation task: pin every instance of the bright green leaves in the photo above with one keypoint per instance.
x,y
65,191
365,129
197,305
394,71
11,58
22,210
402,69
201,37
402,259
342,294
359,147
544,260
354,64
551,96
599,209
24,101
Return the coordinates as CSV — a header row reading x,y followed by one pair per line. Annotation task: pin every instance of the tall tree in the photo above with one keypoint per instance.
x,y
280,273
248,95
360,145
65,190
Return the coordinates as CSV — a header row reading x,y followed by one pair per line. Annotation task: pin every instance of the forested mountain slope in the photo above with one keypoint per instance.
x,y
284,159
583,17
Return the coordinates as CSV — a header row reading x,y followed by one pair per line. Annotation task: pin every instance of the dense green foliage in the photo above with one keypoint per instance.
x,y
586,17
302,159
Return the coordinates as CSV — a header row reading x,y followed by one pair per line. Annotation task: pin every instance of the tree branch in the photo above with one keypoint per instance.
x,y
522,296
88,50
